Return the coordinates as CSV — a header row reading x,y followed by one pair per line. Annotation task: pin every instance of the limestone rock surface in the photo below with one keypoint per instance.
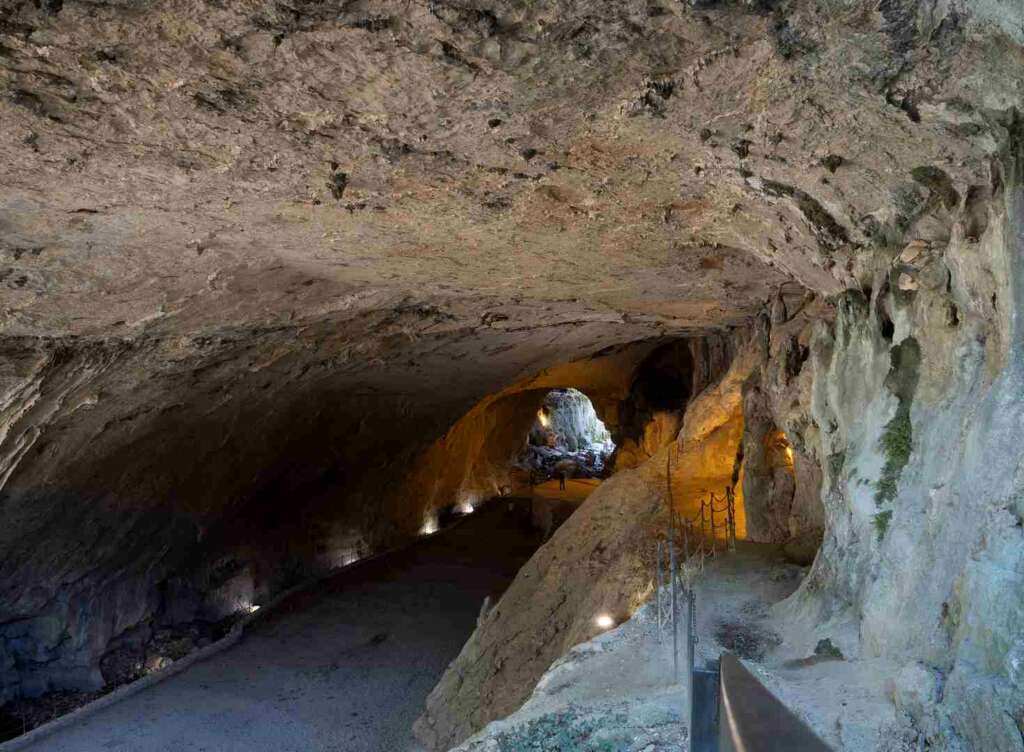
x,y
257,259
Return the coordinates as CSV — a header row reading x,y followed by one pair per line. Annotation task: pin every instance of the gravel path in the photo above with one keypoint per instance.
x,y
345,666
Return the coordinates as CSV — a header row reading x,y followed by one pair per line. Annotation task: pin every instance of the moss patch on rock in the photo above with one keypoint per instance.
x,y
568,731
882,520
896,444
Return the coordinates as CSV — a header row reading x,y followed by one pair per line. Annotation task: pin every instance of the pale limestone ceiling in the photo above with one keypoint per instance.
x,y
176,167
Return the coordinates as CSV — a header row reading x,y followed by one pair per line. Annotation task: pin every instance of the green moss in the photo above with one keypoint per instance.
x,y
568,731
827,649
896,444
882,520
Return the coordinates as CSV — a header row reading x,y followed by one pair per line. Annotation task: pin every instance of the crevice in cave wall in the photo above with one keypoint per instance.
x,y
652,413
781,483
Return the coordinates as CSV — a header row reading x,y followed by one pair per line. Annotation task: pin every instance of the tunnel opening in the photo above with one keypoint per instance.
x,y
566,440
781,486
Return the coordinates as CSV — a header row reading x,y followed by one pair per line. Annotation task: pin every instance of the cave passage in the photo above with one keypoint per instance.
x,y
513,291
345,664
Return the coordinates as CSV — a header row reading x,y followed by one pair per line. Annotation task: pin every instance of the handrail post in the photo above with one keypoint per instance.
x,y
659,578
691,643
711,504
730,499
675,626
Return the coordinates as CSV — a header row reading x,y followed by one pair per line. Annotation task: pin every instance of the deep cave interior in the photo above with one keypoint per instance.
x,y
289,289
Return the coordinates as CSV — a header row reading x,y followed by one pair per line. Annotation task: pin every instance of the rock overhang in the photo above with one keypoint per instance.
x,y
229,233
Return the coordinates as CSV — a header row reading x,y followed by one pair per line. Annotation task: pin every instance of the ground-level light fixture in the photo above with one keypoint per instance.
x,y
253,608
348,558
466,507
429,527
604,621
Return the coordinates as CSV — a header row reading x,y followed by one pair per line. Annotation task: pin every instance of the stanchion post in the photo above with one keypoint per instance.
x,y
659,579
675,625
691,646
711,504
730,500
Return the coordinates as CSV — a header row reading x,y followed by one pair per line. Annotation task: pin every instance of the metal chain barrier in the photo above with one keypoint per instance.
x,y
676,567
699,535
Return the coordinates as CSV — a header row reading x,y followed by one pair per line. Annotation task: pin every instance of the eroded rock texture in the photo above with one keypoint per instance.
x,y
904,401
257,259
922,477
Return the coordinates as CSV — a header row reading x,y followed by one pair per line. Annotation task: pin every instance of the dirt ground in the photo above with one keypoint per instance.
x,y
576,489
342,667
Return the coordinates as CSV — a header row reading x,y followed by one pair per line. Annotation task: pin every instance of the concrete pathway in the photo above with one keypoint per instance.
x,y
345,666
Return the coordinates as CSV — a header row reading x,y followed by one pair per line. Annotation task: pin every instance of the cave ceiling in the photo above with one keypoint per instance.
x,y
178,168
217,214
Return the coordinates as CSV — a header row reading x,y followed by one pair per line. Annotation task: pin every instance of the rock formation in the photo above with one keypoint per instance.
x,y
278,281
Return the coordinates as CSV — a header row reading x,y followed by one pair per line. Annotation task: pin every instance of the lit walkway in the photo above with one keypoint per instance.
x,y
344,667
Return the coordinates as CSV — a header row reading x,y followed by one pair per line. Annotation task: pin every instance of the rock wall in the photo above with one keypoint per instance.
x,y
915,414
781,476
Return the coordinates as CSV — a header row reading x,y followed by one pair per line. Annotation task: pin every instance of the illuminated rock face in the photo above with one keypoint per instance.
x,y
265,271
571,417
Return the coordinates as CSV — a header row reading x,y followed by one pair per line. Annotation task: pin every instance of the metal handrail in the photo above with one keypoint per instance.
x,y
752,719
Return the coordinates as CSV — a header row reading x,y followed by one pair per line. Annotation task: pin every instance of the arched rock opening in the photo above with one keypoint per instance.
x,y
567,438
781,484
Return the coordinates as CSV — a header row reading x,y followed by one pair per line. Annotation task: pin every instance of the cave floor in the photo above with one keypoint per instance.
x,y
345,665
576,489
621,680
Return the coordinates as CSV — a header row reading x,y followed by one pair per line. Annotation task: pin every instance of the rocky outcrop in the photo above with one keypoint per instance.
x,y
613,691
781,476
915,404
